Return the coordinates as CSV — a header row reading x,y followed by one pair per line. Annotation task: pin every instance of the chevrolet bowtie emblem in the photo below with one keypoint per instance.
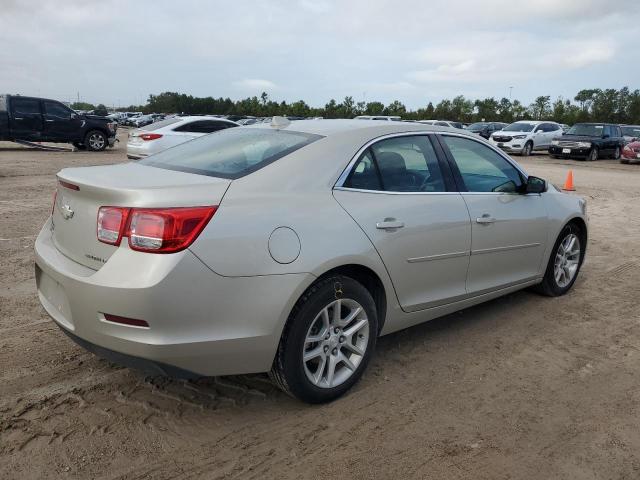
x,y
66,211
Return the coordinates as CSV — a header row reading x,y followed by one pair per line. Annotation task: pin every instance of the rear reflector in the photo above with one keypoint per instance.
x,y
125,321
150,136
68,185
111,224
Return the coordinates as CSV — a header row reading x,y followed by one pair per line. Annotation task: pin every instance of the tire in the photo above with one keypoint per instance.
x,y
79,146
293,374
593,155
527,149
616,154
551,286
95,141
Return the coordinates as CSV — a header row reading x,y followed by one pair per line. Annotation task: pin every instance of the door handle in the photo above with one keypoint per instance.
x,y
389,224
49,121
18,118
485,219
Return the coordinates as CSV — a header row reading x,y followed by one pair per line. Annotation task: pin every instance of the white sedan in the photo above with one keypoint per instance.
x,y
168,133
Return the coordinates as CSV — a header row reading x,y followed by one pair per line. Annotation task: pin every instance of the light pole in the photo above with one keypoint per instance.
x,y
510,90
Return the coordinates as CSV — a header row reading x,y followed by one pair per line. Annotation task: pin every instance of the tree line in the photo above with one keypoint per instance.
x,y
608,105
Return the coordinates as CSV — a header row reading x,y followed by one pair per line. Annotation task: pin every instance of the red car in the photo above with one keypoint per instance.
x,y
631,152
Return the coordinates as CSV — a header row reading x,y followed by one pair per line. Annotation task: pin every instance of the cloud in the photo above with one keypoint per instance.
x,y
254,84
315,50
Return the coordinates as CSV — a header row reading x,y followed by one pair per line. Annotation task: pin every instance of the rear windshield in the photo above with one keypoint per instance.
x,y
161,123
231,153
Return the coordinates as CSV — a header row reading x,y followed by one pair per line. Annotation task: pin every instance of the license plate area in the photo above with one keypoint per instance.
x,y
566,150
54,299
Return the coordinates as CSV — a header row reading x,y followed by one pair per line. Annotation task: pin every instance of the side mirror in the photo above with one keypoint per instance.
x,y
535,185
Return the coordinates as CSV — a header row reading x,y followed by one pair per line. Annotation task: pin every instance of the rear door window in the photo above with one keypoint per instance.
x,y
400,164
232,152
25,106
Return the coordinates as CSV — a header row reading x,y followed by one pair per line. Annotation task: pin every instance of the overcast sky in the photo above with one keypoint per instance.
x,y
416,51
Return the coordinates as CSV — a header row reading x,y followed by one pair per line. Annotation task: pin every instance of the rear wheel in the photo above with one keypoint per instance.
x,y
616,153
564,263
327,342
95,140
528,147
593,155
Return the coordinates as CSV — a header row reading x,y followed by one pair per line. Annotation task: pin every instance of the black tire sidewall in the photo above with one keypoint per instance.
x,y
290,354
549,277
593,154
86,141
528,148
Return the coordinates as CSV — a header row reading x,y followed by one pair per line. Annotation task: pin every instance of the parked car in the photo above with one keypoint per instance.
x,y
630,132
43,120
485,129
159,136
525,137
565,127
388,118
588,141
442,123
291,247
631,153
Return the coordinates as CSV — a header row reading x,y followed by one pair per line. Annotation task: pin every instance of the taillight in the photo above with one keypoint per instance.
x,y
150,136
157,230
68,185
166,230
111,224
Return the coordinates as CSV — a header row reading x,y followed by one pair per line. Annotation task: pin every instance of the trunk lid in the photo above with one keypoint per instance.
x,y
125,185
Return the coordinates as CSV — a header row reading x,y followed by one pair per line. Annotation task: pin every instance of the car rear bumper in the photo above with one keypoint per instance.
x,y
200,322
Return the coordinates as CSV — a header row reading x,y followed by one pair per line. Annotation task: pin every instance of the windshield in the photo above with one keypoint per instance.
x,y
588,130
477,126
231,153
519,127
631,131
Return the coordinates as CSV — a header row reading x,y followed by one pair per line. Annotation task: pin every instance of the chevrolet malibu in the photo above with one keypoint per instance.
x,y
289,248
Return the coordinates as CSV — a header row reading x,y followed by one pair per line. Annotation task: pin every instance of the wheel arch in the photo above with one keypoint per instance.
x,y
369,279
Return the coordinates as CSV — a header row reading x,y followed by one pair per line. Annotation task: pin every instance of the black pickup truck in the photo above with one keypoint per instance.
x,y
589,141
42,120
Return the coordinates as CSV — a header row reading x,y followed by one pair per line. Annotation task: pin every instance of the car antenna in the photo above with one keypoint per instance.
x,y
280,122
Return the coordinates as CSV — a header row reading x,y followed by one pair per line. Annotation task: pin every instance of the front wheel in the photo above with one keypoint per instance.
x,y
564,263
95,140
593,155
528,147
327,342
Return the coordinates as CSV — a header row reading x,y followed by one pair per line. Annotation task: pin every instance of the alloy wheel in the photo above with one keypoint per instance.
x,y
96,141
335,343
567,260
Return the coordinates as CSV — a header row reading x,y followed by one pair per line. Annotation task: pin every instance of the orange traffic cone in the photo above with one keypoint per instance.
x,y
568,185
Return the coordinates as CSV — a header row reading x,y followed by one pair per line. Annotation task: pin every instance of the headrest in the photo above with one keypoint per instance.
x,y
391,162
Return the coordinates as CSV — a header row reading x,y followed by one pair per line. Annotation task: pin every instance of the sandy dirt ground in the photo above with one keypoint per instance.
x,y
520,387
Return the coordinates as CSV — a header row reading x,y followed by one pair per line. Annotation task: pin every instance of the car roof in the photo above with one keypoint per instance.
x,y
327,128
203,117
